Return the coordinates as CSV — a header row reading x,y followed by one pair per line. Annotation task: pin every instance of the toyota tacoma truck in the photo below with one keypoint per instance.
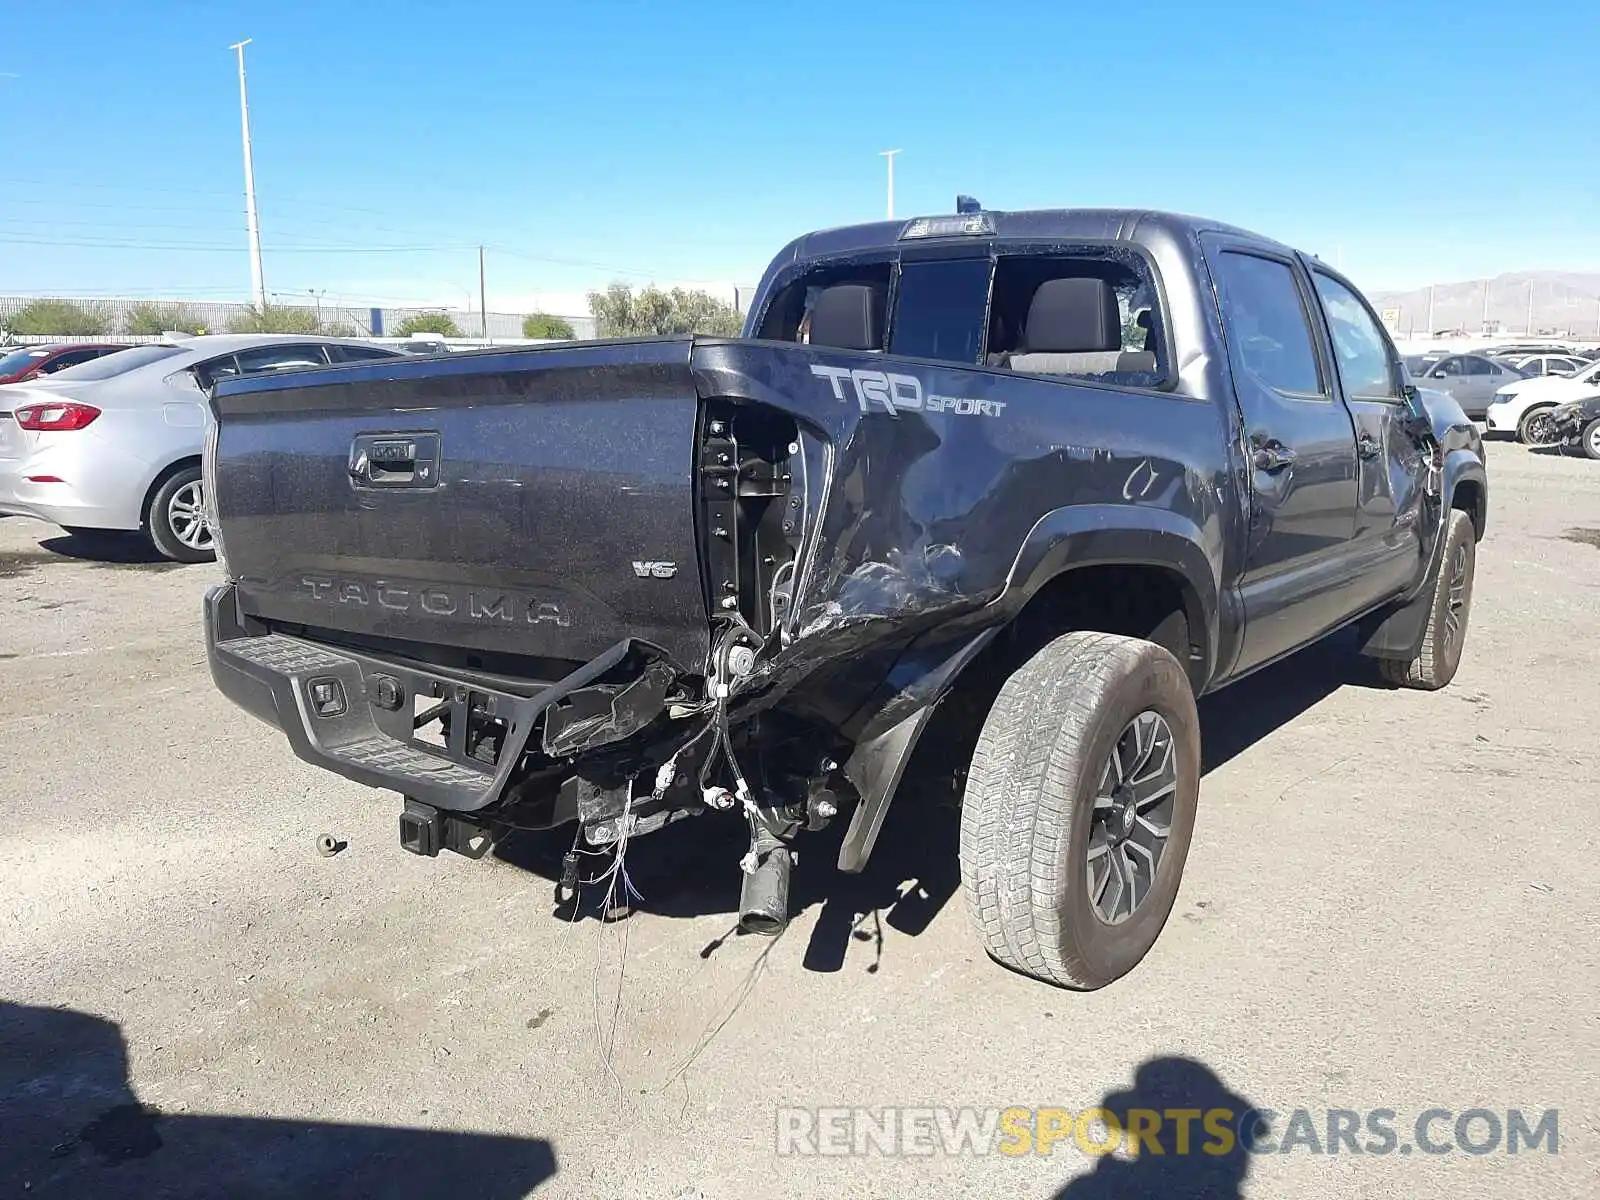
x,y
1081,465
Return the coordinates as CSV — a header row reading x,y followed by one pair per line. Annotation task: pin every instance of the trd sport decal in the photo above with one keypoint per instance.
x,y
892,393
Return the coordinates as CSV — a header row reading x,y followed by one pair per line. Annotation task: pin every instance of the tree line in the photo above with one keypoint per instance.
x,y
619,311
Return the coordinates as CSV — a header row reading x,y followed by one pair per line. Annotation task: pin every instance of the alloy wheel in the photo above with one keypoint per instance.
x,y
1132,817
1458,596
186,517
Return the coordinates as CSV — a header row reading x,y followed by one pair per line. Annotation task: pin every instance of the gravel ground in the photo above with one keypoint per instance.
x,y
1390,904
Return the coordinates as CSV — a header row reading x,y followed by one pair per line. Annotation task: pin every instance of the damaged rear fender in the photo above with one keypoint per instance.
x,y
1061,542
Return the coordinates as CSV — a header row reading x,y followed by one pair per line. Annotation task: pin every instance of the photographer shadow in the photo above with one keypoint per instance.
x,y
1209,1164
71,1126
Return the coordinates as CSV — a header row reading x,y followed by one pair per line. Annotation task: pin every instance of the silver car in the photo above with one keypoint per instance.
x,y
1471,378
115,444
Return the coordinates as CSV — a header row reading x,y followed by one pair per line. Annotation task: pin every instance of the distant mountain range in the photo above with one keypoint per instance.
x,y
1564,302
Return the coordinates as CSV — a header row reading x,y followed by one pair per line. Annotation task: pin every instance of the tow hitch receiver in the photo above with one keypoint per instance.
x,y
425,830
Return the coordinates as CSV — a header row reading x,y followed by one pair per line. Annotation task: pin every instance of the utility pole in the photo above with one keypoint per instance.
x,y
889,154
1484,325
483,301
258,287
1530,308
316,298
1430,311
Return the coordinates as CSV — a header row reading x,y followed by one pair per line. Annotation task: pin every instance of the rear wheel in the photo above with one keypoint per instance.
x,y
176,522
1590,438
1079,808
1446,632
1537,428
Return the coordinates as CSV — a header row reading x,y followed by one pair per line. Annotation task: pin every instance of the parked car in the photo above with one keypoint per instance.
x,y
1471,379
114,444
622,583
22,363
1523,406
1533,366
1577,425
1418,365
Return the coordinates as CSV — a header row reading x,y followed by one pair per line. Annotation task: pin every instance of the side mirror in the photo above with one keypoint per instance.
x,y
1437,373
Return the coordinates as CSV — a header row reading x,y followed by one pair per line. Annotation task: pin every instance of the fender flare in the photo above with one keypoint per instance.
x,y
1463,466
1092,535
1062,540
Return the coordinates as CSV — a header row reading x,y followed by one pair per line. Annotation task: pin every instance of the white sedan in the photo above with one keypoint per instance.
x,y
1523,407
114,444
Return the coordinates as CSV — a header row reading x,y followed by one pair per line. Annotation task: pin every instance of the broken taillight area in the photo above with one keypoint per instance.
x,y
63,417
752,501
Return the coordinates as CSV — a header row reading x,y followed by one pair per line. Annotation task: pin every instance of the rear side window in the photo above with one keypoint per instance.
x,y
1266,320
121,362
279,358
1365,365
939,309
358,353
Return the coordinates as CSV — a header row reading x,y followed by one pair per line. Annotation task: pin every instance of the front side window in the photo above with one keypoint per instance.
x,y
1365,365
939,309
1267,325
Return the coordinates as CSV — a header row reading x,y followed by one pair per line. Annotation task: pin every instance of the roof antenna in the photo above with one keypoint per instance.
x,y
966,204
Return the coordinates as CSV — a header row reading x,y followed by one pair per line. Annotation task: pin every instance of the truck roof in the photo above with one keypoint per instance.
x,y
1044,224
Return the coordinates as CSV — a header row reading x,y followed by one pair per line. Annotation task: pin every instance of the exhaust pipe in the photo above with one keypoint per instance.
x,y
764,894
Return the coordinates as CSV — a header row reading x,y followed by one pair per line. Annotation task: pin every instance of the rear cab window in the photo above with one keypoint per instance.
x,y
1088,315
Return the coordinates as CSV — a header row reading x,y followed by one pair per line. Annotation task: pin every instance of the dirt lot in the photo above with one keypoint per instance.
x,y
1391,903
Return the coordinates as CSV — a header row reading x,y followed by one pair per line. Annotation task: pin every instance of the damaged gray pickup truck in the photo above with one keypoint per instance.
x,y
1082,466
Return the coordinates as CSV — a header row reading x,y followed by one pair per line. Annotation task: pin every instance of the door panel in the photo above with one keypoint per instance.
x,y
1390,467
1300,454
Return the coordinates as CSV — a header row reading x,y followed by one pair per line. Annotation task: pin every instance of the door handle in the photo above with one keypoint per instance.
x,y
395,460
1367,446
1271,455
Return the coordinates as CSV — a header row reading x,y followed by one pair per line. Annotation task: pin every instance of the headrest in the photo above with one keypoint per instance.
x,y
1069,316
848,316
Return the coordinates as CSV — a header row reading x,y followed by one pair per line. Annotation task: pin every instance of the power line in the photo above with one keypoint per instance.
x,y
331,248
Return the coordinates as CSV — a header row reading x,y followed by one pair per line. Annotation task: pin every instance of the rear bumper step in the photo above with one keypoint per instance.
x,y
352,713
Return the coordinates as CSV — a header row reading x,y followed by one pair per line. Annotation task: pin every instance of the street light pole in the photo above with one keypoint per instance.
x,y
483,298
257,283
889,154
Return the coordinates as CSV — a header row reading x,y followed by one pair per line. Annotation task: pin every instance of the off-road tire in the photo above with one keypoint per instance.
x,y
1525,425
158,527
1589,439
1436,663
1028,809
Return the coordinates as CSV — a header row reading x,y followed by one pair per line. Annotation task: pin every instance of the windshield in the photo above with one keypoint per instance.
x,y
20,360
119,363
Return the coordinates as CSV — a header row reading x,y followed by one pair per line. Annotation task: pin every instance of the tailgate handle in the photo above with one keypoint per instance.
x,y
393,460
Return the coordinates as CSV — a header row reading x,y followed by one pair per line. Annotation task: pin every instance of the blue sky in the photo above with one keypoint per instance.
x,y
589,141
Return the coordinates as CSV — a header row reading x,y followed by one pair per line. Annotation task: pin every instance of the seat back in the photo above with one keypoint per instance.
x,y
1075,328
848,316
